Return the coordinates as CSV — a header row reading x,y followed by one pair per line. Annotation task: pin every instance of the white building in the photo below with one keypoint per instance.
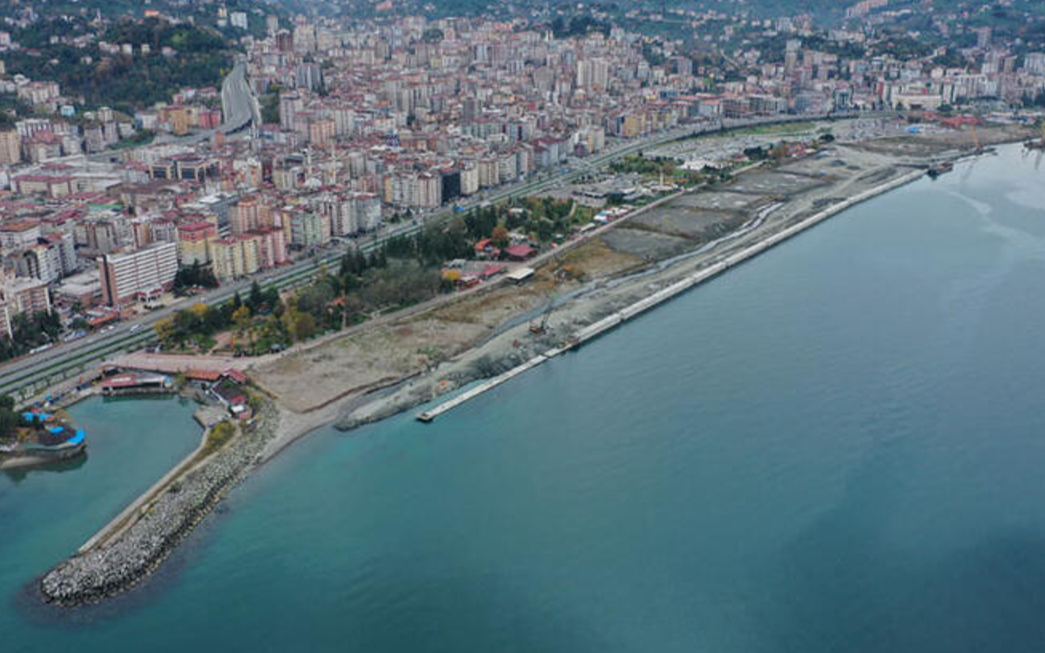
x,y
144,273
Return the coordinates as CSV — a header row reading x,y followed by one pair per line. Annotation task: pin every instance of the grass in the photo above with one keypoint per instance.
x,y
219,434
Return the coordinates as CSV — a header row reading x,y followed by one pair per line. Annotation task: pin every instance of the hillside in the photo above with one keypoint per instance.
x,y
197,57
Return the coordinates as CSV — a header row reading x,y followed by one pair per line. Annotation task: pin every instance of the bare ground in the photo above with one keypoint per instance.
x,y
427,355
372,358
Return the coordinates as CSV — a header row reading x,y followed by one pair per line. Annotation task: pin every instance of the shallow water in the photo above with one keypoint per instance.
x,y
834,447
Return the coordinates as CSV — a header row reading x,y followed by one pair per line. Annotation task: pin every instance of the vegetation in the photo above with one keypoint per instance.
x,y
541,219
219,434
270,104
11,110
194,328
569,26
652,167
143,137
10,419
200,58
194,276
30,331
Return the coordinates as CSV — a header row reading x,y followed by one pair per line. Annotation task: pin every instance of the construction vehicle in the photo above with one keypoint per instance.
x,y
980,149
542,327
940,167
1037,144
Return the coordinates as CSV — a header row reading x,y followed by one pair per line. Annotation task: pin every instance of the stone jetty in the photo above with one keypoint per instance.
x,y
121,563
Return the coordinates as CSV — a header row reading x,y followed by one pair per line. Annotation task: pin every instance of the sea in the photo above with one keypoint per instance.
x,y
838,446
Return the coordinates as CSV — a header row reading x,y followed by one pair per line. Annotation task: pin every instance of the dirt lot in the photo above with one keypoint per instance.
x,y
376,357
763,200
937,143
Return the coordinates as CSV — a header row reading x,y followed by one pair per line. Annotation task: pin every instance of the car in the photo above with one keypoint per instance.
x,y
136,327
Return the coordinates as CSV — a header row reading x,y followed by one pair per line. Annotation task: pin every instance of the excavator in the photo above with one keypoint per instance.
x,y
1037,144
539,328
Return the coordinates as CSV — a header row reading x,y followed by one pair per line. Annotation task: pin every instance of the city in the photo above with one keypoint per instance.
x,y
304,215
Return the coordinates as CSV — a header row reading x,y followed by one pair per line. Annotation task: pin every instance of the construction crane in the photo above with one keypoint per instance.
x,y
976,139
541,327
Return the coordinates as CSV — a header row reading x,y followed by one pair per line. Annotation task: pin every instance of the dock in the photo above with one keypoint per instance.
x,y
716,268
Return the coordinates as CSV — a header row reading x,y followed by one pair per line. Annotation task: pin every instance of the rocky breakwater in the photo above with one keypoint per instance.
x,y
136,551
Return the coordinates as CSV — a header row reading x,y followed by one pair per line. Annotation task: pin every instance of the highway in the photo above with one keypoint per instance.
x,y
30,375
238,104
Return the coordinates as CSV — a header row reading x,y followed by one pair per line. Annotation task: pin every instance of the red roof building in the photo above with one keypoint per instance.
x,y
520,252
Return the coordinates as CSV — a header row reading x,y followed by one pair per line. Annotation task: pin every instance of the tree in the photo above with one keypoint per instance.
x,y
500,236
351,308
165,329
8,423
255,299
241,318
304,326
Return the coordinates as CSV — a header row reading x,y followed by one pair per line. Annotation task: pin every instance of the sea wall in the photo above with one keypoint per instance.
x,y
41,456
713,269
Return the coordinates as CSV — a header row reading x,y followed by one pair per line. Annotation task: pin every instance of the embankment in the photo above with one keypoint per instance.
x,y
712,268
127,550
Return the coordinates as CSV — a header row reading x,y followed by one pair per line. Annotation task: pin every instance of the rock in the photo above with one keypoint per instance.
x,y
124,562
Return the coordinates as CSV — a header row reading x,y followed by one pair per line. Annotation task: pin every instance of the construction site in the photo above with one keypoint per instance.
x,y
385,368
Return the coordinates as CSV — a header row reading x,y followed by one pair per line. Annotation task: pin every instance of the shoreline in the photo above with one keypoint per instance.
x,y
100,570
660,297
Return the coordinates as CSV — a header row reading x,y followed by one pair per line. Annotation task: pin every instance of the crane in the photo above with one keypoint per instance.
x,y
542,326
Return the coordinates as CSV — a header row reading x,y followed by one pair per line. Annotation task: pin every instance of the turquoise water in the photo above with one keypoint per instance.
x,y
838,446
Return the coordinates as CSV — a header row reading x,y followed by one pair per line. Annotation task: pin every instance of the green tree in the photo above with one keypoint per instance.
x,y
304,326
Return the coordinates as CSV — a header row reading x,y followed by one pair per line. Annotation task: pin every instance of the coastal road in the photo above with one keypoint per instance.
x,y
30,375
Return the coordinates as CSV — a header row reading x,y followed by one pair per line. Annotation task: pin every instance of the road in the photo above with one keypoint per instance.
x,y
238,104
239,109
30,375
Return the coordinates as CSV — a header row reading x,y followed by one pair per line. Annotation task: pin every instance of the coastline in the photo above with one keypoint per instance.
x,y
352,410
111,564
614,320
